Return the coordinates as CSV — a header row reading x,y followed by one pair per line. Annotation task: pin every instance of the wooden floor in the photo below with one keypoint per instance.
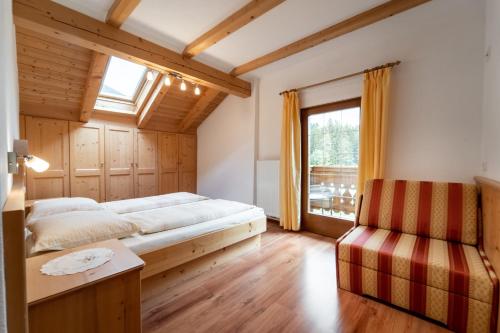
x,y
288,285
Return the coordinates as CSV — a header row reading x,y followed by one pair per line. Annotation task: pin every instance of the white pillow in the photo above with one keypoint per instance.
x,y
71,229
47,207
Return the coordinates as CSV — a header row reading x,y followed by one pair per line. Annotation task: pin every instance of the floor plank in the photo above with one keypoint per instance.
x,y
288,285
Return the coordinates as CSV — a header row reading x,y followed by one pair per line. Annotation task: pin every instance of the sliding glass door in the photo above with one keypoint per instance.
x,y
330,154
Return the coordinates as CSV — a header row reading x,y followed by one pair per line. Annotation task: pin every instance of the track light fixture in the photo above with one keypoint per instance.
x,y
171,76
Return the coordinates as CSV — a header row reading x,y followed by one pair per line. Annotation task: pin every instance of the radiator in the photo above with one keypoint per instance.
x,y
268,182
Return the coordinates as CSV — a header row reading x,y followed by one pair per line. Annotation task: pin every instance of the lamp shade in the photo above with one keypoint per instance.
x,y
36,163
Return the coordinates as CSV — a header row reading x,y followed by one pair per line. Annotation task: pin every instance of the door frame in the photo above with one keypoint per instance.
x,y
323,225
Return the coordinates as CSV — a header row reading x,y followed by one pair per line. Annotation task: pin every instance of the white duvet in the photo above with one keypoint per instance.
x,y
146,203
167,218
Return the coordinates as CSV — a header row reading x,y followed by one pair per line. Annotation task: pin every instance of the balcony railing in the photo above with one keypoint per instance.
x,y
332,191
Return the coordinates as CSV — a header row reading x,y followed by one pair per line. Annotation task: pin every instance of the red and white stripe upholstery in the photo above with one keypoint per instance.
x,y
424,269
446,211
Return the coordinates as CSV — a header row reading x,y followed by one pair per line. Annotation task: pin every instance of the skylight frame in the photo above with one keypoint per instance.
x,y
113,98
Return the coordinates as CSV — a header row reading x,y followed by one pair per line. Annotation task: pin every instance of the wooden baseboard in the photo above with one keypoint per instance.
x,y
154,287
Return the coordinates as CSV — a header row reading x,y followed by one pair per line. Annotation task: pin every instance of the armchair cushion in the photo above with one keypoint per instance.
x,y
448,266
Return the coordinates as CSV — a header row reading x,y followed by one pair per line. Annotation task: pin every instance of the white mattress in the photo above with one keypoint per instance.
x,y
141,244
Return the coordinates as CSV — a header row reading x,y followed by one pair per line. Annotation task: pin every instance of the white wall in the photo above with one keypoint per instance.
x,y
437,90
226,144
9,118
491,106
435,129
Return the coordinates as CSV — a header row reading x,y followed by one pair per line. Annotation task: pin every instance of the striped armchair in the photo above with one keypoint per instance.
x,y
416,245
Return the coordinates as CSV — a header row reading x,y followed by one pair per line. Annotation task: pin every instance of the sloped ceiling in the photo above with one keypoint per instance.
x,y
52,80
52,73
175,23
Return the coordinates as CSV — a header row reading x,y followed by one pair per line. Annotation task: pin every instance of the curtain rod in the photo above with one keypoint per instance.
x,y
390,64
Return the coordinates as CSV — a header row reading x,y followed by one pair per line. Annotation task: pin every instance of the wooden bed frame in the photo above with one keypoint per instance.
x,y
180,253
163,267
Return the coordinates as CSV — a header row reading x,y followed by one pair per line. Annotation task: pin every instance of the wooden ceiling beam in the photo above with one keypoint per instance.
x,y
50,18
117,14
356,22
203,102
120,11
153,102
235,21
93,85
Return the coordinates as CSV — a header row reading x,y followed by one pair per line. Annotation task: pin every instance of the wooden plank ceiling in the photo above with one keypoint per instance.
x,y
61,80
52,83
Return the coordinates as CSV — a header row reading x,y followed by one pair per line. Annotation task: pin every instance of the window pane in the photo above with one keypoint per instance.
x,y
333,162
122,79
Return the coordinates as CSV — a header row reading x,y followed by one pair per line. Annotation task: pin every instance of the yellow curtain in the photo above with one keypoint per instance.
x,y
290,163
373,126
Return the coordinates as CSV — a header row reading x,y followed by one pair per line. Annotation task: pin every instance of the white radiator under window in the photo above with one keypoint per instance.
x,y
268,183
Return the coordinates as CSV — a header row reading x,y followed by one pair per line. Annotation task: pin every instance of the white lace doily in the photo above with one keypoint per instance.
x,y
77,262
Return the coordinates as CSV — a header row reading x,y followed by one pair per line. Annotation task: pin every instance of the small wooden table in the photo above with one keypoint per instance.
x,y
104,299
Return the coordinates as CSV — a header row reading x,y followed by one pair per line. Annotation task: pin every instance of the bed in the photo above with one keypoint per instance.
x,y
195,226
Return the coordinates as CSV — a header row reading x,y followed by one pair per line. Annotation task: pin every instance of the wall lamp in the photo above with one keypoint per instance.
x,y
20,154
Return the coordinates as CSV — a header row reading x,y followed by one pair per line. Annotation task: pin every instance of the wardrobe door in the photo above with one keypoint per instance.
x,y
119,162
168,162
146,166
187,163
86,142
48,139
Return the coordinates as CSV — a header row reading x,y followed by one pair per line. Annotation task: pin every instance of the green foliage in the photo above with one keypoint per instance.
x,y
333,144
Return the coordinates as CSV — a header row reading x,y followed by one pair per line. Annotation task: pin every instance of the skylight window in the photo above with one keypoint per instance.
x,y
123,80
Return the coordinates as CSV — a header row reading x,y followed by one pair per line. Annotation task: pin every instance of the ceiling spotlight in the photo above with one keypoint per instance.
x,y
197,90
149,75
183,86
168,81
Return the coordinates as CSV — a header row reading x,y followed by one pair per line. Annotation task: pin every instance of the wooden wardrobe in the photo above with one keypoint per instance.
x,y
107,162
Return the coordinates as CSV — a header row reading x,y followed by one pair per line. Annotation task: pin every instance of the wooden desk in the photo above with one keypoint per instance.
x,y
104,299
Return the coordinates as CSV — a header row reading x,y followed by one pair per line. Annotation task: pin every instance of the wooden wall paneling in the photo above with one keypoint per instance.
x,y
168,165
187,163
22,126
48,139
119,162
146,164
86,143
55,20
203,102
38,108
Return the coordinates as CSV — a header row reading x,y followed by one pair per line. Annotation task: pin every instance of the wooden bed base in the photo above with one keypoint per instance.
x,y
155,289
175,255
